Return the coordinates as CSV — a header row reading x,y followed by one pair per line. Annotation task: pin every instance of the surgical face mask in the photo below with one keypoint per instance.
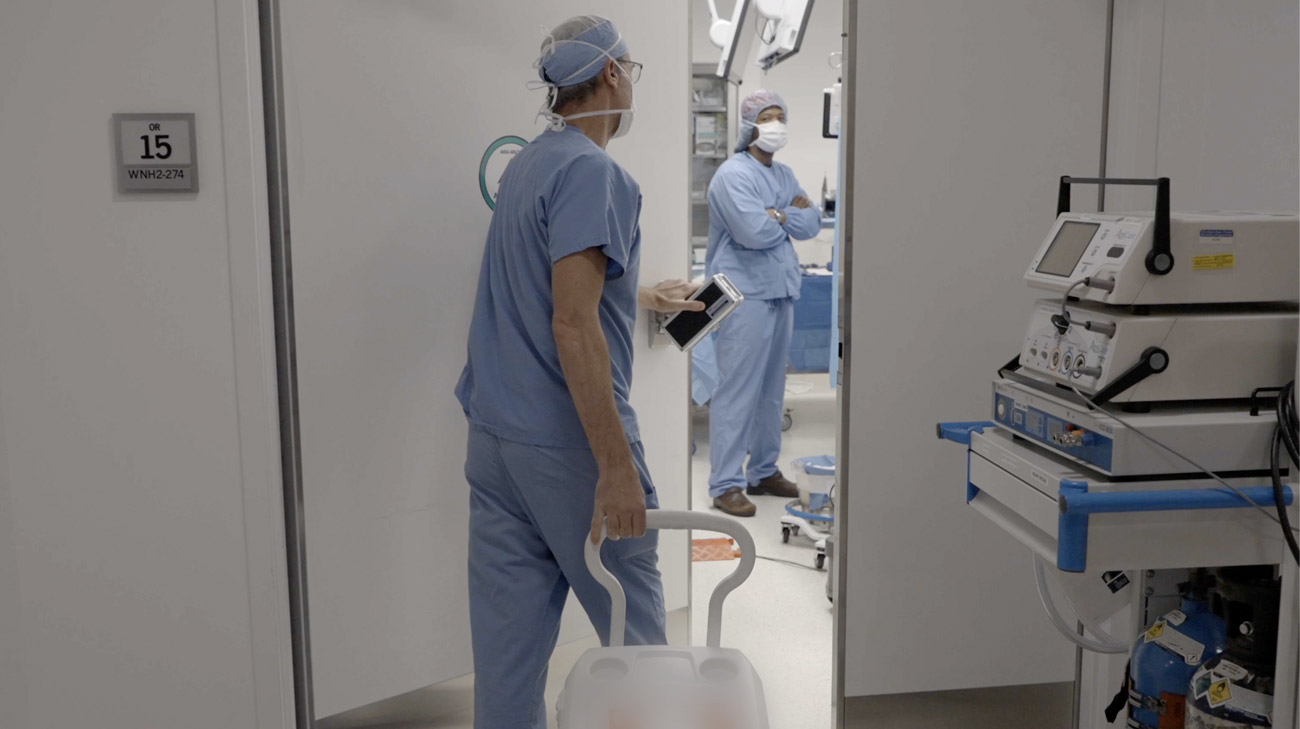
x,y
772,136
624,115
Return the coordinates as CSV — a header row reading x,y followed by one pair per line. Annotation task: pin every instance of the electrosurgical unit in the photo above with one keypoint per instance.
x,y
1165,258
1115,355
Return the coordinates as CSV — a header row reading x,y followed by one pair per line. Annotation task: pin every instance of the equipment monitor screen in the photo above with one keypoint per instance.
x,y
1067,248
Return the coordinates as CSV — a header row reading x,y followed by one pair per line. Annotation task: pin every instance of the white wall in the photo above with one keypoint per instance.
x,y
141,545
1206,93
967,113
1201,92
800,81
390,108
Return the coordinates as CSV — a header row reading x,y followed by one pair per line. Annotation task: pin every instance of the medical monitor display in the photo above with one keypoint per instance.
x,y
1067,248
783,37
731,66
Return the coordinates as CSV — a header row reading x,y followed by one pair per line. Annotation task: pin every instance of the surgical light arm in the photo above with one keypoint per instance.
x,y
719,29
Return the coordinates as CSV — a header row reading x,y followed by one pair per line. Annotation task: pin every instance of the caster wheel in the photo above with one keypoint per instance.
x,y
785,534
821,561
794,530
787,422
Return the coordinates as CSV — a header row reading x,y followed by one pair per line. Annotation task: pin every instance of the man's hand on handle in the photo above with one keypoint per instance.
x,y
620,503
669,297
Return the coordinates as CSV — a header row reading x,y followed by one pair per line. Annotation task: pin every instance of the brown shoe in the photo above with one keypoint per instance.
x,y
733,502
774,485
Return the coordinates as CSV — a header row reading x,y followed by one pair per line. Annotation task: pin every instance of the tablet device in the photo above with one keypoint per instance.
x,y
720,298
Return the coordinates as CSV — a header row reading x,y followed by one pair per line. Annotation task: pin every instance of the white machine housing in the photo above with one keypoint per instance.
x,y
787,20
1223,439
1211,356
734,37
832,113
1219,258
1018,487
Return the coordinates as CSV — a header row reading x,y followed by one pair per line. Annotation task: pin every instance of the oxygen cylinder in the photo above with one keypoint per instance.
x,y
1167,654
1235,690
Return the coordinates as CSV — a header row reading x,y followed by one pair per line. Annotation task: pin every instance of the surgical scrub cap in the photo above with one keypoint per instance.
x,y
577,50
750,108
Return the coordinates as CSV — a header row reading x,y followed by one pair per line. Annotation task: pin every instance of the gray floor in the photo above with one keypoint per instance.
x,y
450,705
780,618
1015,707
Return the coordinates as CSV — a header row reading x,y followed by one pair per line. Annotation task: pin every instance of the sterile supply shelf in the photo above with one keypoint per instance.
x,y
713,135
1081,522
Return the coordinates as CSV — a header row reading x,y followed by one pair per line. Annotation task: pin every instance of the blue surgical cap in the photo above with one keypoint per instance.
x,y
578,49
750,108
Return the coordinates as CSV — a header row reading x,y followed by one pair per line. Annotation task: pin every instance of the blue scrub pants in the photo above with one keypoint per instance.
x,y
530,510
753,349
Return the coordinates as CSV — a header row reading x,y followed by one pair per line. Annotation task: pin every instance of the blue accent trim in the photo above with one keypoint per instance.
x,y
824,518
1077,504
1072,529
1095,448
1183,500
816,465
959,432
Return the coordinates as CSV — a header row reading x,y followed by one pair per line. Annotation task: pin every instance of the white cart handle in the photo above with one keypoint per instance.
x,y
660,519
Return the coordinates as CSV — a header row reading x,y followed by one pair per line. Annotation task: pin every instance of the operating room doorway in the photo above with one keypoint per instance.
x,y
782,618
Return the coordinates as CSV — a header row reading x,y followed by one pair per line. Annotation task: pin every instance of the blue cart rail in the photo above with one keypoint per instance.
x,y
1078,504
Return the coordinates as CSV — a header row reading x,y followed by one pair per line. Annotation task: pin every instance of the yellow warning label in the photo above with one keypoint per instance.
x,y
1220,693
1155,631
1216,262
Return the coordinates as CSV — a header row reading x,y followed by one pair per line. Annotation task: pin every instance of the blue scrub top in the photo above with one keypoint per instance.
x,y
746,243
560,195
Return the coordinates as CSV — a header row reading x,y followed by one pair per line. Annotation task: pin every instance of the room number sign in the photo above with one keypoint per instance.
x,y
155,153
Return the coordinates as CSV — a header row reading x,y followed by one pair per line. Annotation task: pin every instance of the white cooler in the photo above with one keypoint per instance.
x,y
661,687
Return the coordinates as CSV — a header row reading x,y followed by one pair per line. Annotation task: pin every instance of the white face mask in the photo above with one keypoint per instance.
x,y
771,136
624,115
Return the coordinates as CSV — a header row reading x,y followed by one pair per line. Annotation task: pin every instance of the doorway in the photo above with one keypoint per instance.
x,y
783,617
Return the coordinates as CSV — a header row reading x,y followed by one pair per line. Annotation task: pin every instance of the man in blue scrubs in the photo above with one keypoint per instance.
x,y
755,208
553,443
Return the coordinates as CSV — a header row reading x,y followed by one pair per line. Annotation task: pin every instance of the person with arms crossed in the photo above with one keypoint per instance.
x,y
554,449
755,208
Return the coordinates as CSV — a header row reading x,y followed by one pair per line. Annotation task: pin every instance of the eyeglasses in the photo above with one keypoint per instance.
x,y
633,70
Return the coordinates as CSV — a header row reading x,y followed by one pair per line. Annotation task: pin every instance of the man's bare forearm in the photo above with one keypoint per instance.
x,y
584,357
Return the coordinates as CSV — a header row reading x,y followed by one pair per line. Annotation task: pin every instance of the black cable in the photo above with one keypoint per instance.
x,y
760,24
1287,419
1278,495
1285,434
1085,402
786,562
